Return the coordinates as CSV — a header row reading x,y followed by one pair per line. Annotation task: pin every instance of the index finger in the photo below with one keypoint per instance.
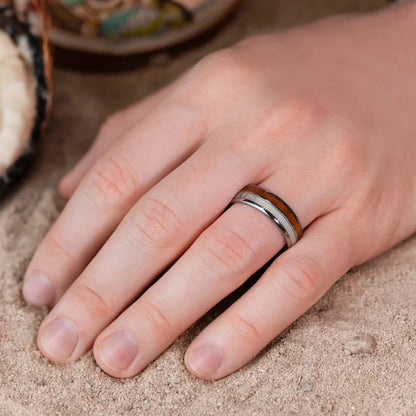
x,y
113,185
112,130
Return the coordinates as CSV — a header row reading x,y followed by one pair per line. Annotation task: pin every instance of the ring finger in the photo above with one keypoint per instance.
x,y
237,244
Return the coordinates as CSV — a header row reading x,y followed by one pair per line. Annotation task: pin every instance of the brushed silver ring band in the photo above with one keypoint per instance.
x,y
275,208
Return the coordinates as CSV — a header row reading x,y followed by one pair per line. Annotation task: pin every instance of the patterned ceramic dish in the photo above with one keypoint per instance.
x,y
124,27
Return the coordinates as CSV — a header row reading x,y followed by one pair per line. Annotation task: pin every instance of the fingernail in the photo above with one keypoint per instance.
x,y
38,290
205,360
119,350
60,338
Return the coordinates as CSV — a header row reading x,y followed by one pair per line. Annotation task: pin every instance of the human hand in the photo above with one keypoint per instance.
x,y
321,115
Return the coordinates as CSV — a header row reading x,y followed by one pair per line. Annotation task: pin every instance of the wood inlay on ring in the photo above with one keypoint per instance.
x,y
279,204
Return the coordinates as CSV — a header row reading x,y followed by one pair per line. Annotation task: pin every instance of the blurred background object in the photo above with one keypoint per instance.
x,y
126,27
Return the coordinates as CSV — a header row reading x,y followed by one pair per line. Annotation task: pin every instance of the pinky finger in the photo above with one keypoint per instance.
x,y
292,284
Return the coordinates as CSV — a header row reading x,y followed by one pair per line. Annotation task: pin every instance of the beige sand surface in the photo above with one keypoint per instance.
x,y
306,371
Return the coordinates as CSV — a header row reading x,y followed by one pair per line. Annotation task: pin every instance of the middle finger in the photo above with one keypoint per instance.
x,y
155,231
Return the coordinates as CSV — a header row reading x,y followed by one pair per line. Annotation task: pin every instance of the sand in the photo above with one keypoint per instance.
x,y
321,365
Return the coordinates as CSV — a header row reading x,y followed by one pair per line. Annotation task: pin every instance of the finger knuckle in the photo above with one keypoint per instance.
x,y
290,122
226,252
94,297
59,248
112,123
153,219
114,181
292,119
220,71
246,329
220,62
347,160
300,278
158,316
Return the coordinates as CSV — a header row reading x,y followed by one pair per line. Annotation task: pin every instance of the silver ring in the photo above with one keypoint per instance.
x,y
275,208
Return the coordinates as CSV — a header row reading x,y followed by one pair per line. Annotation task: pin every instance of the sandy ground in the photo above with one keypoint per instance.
x,y
308,370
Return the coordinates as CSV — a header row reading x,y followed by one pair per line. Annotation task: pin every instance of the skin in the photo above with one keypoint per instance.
x,y
321,115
